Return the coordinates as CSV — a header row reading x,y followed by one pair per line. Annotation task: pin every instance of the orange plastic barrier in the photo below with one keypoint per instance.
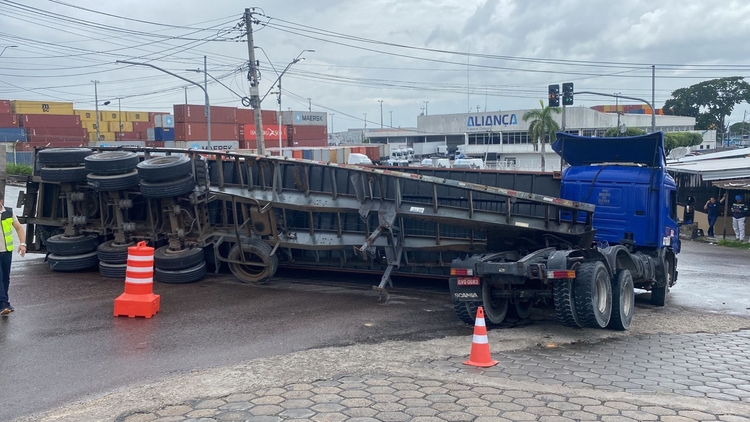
x,y
480,346
139,299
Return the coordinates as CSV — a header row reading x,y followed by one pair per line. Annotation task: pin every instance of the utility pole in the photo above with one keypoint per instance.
x,y
252,76
119,116
186,100
208,105
653,98
391,118
309,104
617,110
381,113
332,114
425,108
96,99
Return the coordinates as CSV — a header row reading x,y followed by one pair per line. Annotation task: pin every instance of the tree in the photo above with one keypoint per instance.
x,y
614,132
740,128
673,140
542,127
710,102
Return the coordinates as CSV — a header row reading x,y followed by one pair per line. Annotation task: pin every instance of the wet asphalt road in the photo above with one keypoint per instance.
x,y
63,343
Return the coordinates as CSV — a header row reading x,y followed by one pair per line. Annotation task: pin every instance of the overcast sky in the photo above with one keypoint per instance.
x,y
403,52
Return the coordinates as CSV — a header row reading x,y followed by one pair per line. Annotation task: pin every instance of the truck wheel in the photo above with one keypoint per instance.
x,y
71,245
565,304
623,301
112,182
177,187
659,294
113,253
466,311
189,275
260,266
167,259
112,162
593,294
112,270
63,156
67,263
521,309
64,174
495,308
164,168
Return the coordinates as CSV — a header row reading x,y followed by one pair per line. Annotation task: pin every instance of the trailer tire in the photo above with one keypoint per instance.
x,y
110,270
659,294
68,263
113,182
71,245
255,251
112,162
593,294
184,276
64,174
495,309
63,156
623,301
113,253
565,304
466,311
166,259
521,309
165,189
165,168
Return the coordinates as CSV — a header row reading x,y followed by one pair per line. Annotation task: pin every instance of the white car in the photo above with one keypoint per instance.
x,y
357,158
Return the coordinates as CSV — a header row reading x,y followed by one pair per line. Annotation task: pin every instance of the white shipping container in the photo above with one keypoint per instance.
x,y
304,118
215,145
129,144
164,120
317,154
151,134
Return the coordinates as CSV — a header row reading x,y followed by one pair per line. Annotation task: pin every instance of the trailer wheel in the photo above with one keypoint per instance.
x,y
64,174
185,276
112,182
659,294
164,168
466,311
71,245
63,156
565,304
112,162
593,294
112,270
495,308
113,253
521,309
176,187
67,263
259,265
167,259
623,301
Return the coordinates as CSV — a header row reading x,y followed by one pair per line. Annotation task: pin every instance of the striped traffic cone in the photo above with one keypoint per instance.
x,y
139,299
480,346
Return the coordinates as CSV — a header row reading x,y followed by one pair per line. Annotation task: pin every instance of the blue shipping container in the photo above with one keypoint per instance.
x,y
307,154
23,157
12,135
163,134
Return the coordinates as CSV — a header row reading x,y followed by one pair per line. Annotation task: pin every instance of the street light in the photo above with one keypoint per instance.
x,y
205,91
425,107
391,111
7,47
96,107
381,113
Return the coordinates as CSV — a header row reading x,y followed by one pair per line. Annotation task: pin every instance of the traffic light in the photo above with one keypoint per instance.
x,y
554,95
568,93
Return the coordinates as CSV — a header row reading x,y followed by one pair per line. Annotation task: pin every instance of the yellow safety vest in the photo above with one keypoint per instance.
x,y
6,218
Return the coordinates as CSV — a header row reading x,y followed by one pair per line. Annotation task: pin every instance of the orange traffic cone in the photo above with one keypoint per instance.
x,y
139,299
480,346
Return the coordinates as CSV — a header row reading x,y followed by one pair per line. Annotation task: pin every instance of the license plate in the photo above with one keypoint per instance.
x,y
468,281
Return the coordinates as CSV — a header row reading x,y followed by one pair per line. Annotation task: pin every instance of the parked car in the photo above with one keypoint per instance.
x,y
357,158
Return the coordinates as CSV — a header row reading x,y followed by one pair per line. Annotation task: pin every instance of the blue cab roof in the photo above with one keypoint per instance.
x,y
585,150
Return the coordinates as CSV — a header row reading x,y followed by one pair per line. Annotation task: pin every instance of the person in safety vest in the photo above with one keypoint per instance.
x,y
9,221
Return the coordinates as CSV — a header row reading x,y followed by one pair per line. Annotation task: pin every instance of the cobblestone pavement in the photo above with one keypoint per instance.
x,y
667,378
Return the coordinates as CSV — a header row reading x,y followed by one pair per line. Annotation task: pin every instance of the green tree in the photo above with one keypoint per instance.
x,y
740,128
710,102
543,126
614,132
673,140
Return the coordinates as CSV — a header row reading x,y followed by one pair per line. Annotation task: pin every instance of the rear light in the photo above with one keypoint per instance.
x,y
561,274
462,271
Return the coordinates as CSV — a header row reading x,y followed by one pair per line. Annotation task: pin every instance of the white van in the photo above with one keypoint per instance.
x,y
357,158
469,163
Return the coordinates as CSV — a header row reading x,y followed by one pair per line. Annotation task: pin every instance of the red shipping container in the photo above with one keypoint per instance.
x,y
142,126
8,120
245,116
196,114
57,131
310,143
248,145
305,133
49,120
4,107
53,138
31,145
270,133
199,132
151,115
127,136
270,117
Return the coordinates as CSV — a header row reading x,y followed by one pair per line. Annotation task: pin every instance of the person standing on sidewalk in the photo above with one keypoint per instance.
x,y
8,222
739,212
712,207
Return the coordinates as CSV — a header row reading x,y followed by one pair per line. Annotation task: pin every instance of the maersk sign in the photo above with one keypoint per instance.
x,y
492,120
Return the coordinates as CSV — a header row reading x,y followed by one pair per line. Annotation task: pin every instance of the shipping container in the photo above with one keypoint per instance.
x,y
307,154
86,115
19,157
151,134
12,135
164,120
8,120
54,140
129,144
270,117
199,131
245,116
88,125
248,144
304,118
307,144
49,120
127,136
297,153
142,126
215,145
120,126
77,132
32,145
111,116
306,133
164,134
137,116
270,133
187,113
5,107
41,107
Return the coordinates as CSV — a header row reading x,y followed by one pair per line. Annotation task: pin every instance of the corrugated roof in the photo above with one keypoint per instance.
x,y
710,170
732,153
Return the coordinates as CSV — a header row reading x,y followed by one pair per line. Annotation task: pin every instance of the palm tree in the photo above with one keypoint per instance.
x,y
542,126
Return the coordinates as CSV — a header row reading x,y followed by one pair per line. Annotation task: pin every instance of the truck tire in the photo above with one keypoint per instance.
x,y
659,294
466,311
71,245
113,182
565,304
113,253
112,270
68,263
184,276
165,189
495,308
63,156
260,266
623,301
112,162
593,294
165,168
521,309
64,174
167,259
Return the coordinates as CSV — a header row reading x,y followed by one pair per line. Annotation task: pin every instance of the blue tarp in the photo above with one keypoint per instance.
x,y
585,150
